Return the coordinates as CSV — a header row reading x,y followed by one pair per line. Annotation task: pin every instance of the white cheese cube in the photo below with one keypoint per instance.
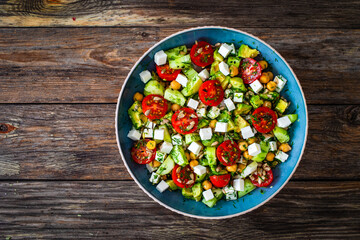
x,y
256,86
195,148
229,104
247,132
159,134
221,127
162,186
145,76
134,135
231,196
238,97
160,156
283,122
208,195
205,133
281,156
201,112
199,170
204,74
280,82
150,168
182,79
254,149
232,48
150,124
176,139
166,147
249,169
155,178
239,184
148,133
192,103
228,189
273,146
214,112
225,50
224,68
160,58
222,104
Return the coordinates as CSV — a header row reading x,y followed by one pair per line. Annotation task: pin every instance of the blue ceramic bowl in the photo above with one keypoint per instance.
x,y
174,200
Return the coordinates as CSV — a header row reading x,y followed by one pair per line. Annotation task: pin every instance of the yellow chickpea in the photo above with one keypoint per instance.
x,y
231,168
264,78
270,156
267,104
175,85
251,140
271,86
187,155
194,163
212,123
270,75
284,147
207,185
175,107
151,145
156,163
233,71
138,97
246,155
193,156
241,167
263,64
243,145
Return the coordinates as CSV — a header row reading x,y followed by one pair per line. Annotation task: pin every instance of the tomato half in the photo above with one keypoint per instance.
x,y
167,73
185,120
264,180
211,93
220,180
141,154
154,106
250,70
264,119
202,54
228,152
183,177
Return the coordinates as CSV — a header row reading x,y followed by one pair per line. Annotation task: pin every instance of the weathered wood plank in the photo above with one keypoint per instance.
x,y
78,142
305,14
89,65
68,210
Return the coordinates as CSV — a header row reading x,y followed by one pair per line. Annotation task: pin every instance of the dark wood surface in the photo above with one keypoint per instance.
x,y
62,65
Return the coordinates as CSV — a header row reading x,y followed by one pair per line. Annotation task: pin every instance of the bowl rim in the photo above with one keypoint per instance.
x,y
128,168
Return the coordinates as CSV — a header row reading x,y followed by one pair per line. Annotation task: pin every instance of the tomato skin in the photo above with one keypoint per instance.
x,y
264,119
220,181
166,73
269,178
203,57
250,70
141,154
228,152
181,124
211,93
182,172
157,108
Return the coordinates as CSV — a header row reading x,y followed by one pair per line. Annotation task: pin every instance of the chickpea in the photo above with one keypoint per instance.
x,y
194,163
138,97
212,123
151,145
243,145
271,86
175,107
187,155
233,71
267,104
270,75
193,156
270,156
206,185
241,167
246,155
264,78
263,64
251,140
156,163
175,85
231,168
285,147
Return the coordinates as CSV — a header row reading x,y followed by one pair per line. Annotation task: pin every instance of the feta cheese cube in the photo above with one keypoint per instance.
x,y
145,76
273,146
134,135
221,127
225,50
155,178
148,133
160,156
150,124
229,104
280,82
256,86
228,189
247,132
195,148
205,133
150,168
214,112
249,169
199,170
238,97
208,195
176,139
166,147
231,196
160,58
204,74
182,79
159,134
281,156
254,149
239,184
201,112
232,48
283,122
193,103
224,68
162,186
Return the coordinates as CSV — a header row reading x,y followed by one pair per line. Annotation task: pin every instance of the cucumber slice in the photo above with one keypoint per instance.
x,y
186,192
174,96
248,187
166,167
193,84
172,185
153,87
197,190
178,155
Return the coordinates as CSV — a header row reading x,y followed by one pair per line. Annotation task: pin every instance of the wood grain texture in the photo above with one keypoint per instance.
x,y
54,13
89,65
78,142
113,210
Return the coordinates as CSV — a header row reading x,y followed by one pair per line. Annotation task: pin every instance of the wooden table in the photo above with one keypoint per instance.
x,y
63,63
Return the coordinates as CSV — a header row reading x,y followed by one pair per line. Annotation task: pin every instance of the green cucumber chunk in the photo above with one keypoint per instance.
x,y
237,84
256,101
187,193
167,136
242,109
192,137
181,62
175,53
265,147
210,155
166,167
248,187
178,155
172,185
246,52
153,87
175,96
281,134
281,106
135,112
193,84
197,190
292,117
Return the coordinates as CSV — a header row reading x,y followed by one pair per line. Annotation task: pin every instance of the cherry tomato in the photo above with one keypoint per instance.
x,y
264,119
167,73
220,180
265,180
185,120
141,154
202,54
211,93
154,106
250,70
183,177
228,152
